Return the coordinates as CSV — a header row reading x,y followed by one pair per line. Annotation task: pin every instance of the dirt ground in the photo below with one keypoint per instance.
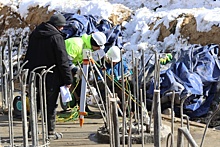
x,y
76,136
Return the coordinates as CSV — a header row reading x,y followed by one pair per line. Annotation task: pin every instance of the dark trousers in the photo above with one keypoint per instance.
x,y
51,99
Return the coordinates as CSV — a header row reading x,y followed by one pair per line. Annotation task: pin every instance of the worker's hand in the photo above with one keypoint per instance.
x,y
120,80
68,86
78,74
107,59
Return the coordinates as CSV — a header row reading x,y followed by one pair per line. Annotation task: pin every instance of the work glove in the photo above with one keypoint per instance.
x,y
107,59
126,75
166,59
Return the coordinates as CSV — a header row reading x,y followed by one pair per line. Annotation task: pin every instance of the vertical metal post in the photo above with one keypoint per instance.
x,y
142,120
144,78
4,79
123,102
181,109
107,106
18,53
40,91
130,121
115,122
157,106
172,118
134,87
23,79
11,90
157,121
112,74
33,121
113,96
182,131
1,76
33,106
137,94
45,102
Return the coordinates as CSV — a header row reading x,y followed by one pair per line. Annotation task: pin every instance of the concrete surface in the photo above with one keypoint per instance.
x,y
76,136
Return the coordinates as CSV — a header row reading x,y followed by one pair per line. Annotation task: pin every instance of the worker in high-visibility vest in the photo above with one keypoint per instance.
x,y
75,46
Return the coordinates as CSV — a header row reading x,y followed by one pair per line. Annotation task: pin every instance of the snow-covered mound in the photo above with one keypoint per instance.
x,y
163,24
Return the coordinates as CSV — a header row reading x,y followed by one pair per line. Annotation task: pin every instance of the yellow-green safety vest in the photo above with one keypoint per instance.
x,y
75,46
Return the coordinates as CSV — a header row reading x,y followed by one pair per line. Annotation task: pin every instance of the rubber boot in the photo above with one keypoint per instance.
x,y
51,128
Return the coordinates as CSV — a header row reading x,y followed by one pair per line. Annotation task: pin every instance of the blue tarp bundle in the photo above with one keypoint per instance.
x,y
197,69
81,24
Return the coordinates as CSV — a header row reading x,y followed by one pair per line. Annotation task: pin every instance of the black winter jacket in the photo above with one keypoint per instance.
x,y
46,47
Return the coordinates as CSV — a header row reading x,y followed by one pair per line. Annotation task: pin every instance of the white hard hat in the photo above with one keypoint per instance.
x,y
114,53
99,38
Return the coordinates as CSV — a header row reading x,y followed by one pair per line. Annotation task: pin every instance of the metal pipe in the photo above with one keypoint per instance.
x,y
4,78
22,74
134,87
157,119
40,91
187,121
137,94
23,79
18,53
115,122
207,124
156,72
108,106
168,138
45,100
32,119
172,118
123,102
112,75
184,131
142,119
33,106
11,93
130,121
1,76
144,78
157,105
181,108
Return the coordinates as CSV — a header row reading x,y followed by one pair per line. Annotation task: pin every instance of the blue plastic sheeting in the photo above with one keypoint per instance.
x,y
197,70
81,24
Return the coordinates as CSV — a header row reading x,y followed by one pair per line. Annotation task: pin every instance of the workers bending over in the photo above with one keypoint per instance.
x,y
74,47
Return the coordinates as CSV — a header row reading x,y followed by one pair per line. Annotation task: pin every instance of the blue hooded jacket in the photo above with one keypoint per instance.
x,y
117,70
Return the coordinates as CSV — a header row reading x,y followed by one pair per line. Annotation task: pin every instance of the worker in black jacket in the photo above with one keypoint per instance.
x,y
46,47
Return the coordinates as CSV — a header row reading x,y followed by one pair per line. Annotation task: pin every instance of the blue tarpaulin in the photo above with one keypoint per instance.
x,y
197,69
81,24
